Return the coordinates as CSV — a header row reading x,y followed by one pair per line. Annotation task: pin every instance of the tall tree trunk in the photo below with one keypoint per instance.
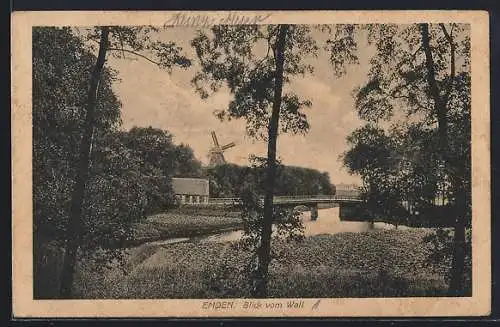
x,y
440,107
264,252
74,224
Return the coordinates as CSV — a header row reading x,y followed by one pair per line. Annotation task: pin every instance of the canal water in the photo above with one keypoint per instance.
x,y
328,222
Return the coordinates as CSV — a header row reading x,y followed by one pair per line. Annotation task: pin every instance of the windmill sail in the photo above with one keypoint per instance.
x,y
216,154
214,138
228,146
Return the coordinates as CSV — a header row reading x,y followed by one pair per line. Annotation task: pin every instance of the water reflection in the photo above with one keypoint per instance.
x,y
327,223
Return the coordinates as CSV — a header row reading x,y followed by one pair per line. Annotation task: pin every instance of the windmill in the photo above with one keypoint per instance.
x,y
216,153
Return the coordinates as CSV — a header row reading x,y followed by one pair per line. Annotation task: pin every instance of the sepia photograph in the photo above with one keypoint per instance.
x,y
252,163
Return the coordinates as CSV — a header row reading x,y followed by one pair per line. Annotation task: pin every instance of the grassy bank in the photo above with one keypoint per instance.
x,y
373,264
182,223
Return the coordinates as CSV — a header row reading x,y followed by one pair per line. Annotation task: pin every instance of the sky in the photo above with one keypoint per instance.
x,y
151,96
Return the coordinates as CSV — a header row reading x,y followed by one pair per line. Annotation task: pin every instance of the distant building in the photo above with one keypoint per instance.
x,y
347,189
191,190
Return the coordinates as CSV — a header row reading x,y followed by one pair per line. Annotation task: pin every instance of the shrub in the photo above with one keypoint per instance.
x,y
441,242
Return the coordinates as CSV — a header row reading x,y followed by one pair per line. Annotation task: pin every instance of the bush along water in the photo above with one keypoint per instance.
x,y
441,243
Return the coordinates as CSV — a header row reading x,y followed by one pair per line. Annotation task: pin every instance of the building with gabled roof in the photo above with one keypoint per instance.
x,y
191,190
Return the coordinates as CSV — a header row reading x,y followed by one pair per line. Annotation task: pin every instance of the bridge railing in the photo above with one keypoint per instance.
x,y
289,198
316,197
224,200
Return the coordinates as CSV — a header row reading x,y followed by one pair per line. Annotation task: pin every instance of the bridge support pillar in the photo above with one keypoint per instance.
x,y
314,212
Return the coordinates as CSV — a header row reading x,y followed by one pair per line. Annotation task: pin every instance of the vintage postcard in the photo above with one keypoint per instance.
x,y
251,164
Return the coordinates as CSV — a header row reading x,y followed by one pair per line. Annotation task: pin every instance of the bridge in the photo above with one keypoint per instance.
x,y
310,201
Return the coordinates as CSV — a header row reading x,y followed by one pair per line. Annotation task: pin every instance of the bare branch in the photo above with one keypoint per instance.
x,y
268,39
396,95
449,36
121,42
137,54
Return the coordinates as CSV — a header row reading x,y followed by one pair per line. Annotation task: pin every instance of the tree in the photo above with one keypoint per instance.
x,y
73,238
371,156
399,166
122,188
291,180
60,76
415,68
441,95
230,180
228,55
156,150
186,164
124,40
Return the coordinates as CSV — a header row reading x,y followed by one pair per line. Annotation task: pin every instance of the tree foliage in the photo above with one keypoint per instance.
x,y
230,180
138,42
418,96
131,40
60,82
398,97
241,59
129,172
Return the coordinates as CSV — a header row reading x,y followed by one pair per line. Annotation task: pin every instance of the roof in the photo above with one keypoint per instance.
x,y
191,186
